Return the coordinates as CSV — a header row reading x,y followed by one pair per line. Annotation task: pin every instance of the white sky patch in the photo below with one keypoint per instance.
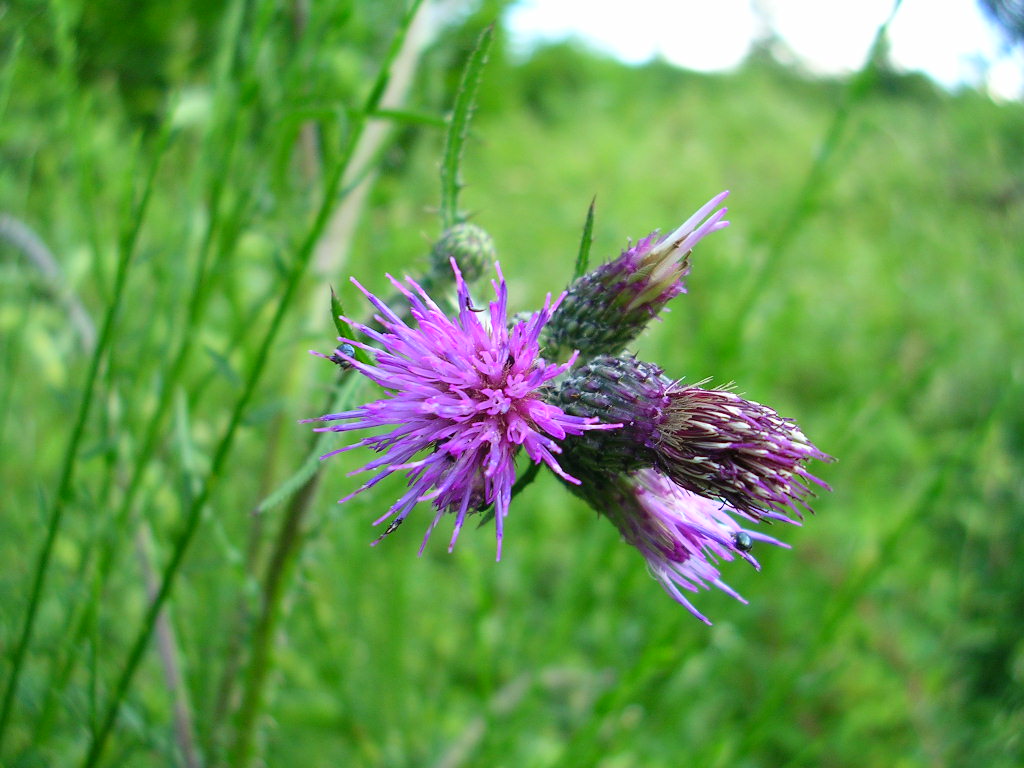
x,y
638,30
949,40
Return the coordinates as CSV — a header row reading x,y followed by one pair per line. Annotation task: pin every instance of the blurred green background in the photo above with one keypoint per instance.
x,y
869,286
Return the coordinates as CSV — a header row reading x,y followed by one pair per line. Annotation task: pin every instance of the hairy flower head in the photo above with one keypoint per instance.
x,y
462,397
720,444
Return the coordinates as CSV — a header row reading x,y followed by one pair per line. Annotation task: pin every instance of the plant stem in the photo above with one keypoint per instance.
x,y
807,198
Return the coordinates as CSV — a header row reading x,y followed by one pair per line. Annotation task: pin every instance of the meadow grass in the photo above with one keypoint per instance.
x,y
868,286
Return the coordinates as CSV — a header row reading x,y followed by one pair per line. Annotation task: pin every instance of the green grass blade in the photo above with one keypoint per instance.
x,y
7,75
586,240
384,74
458,129
220,153
194,513
209,260
288,542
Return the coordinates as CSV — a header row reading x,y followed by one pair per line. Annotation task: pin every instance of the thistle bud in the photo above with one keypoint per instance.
x,y
606,309
472,251
471,247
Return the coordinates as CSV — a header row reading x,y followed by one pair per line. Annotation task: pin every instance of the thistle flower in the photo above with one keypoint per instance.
x,y
716,442
681,535
462,397
709,441
607,308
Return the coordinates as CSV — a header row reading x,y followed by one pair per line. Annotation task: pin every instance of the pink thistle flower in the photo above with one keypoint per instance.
x,y
462,397
681,535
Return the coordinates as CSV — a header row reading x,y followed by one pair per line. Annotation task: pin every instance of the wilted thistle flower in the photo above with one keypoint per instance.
x,y
681,535
462,397
709,441
740,451
606,309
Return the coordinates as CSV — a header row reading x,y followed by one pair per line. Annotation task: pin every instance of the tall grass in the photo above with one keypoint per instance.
x,y
884,317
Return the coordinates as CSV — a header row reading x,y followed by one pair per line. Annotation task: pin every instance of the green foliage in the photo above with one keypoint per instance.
x,y
458,130
884,315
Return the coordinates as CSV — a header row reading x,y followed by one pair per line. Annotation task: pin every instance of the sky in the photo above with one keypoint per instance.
x,y
949,40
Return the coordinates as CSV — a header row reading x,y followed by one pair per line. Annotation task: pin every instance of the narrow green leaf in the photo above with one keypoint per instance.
x,y
458,129
126,253
193,515
345,399
344,329
384,75
188,455
586,240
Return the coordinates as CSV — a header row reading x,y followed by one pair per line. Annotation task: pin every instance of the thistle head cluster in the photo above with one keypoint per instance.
x,y
679,469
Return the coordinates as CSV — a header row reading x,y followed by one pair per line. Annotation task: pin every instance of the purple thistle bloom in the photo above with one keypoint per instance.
x,y
462,397
610,306
680,534
717,443
709,441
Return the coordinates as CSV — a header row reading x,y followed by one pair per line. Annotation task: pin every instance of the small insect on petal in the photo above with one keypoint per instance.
x,y
392,527
343,349
742,541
